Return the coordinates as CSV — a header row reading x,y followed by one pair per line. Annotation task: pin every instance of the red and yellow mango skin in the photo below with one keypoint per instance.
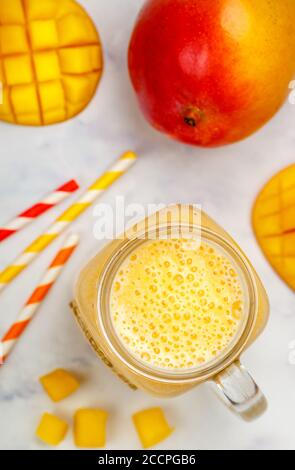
x,y
212,72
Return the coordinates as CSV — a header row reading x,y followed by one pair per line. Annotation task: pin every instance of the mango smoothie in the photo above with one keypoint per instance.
x,y
177,304
173,303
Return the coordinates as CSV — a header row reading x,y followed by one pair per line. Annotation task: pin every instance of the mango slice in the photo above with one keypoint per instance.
x,y
274,223
50,60
90,428
151,426
51,429
59,384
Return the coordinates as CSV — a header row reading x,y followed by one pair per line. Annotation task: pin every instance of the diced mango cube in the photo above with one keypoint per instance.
x,y
72,109
80,59
289,247
24,99
13,39
288,197
76,30
43,10
288,218
44,34
77,88
52,96
54,116
47,66
6,117
51,429
68,6
289,266
151,426
59,384
18,70
274,246
12,12
30,119
90,428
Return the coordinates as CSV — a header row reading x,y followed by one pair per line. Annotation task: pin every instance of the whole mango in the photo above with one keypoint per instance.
x,y
211,72
50,60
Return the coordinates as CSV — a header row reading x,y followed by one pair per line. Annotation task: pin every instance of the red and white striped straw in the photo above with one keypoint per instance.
x,y
38,296
38,209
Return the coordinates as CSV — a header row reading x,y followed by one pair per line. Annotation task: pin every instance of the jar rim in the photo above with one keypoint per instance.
x,y
207,370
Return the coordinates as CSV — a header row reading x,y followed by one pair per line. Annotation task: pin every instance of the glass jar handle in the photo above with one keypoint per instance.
x,y
239,392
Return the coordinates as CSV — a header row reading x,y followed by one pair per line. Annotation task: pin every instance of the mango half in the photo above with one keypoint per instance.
x,y
274,223
50,60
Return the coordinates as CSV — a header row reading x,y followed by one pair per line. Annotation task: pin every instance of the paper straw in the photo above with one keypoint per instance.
x,y
38,296
71,214
38,209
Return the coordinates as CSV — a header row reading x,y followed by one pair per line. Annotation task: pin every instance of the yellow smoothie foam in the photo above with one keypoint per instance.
x,y
176,304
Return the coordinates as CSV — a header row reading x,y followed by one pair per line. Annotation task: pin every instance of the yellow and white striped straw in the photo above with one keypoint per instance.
x,y
71,214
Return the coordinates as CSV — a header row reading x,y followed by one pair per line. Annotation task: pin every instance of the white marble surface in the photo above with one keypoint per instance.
x,y
224,181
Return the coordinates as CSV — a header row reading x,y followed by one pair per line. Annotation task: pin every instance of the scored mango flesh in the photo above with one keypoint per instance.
x,y
50,60
274,223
